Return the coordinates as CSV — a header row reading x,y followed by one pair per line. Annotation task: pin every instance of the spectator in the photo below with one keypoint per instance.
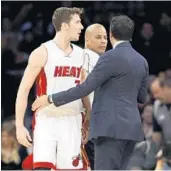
x,y
162,120
144,156
145,43
11,153
163,33
156,89
27,44
39,30
147,120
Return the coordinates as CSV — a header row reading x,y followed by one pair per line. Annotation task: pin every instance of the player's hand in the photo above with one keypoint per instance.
x,y
40,102
85,131
85,134
23,136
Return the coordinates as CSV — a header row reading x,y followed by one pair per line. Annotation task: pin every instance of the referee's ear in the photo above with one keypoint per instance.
x,y
86,41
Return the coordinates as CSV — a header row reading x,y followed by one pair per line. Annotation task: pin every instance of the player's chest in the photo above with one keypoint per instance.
x,y
64,67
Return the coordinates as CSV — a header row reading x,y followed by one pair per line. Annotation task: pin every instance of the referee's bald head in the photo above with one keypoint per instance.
x,y
96,38
92,29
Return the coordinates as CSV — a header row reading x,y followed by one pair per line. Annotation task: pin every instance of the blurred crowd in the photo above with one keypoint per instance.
x,y
26,25
155,151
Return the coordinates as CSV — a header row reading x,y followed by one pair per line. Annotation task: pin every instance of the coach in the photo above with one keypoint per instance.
x,y
119,80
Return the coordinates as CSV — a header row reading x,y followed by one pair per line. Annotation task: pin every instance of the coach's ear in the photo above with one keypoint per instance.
x,y
110,34
111,38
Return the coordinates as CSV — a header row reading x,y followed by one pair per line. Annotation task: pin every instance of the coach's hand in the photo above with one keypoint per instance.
x,y
40,102
23,136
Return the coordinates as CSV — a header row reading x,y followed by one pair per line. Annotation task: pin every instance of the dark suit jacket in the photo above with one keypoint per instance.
x,y
120,82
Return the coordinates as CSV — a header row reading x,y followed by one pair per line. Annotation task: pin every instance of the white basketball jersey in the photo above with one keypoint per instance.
x,y
61,73
91,59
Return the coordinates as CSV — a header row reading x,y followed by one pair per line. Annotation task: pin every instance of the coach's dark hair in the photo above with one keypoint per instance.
x,y
122,27
64,14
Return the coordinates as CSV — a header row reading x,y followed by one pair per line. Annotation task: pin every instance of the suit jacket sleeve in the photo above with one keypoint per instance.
x,y
142,94
101,72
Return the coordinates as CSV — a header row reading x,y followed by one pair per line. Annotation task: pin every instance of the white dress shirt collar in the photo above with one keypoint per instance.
x,y
118,42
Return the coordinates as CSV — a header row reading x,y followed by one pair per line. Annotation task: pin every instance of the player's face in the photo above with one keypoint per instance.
x,y
75,27
167,94
157,91
98,41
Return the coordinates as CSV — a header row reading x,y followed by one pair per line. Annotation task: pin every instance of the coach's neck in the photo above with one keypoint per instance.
x,y
115,41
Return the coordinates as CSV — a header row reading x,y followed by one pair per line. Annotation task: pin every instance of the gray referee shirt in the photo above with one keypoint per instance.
x,y
162,119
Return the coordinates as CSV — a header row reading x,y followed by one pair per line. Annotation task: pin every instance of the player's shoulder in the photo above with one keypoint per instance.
x,y
91,53
77,48
39,55
41,50
47,43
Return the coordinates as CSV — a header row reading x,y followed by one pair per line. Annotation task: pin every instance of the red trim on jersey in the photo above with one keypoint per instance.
x,y
41,83
44,165
41,88
28,164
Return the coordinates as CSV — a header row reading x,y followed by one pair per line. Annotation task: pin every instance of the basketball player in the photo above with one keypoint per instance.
x,y
57,66
95,45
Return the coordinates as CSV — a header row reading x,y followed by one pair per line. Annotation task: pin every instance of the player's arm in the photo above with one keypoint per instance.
x,y
86,100
36,61
87,106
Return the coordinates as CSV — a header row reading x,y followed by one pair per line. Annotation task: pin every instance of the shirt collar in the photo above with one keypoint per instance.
x,y
118,42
